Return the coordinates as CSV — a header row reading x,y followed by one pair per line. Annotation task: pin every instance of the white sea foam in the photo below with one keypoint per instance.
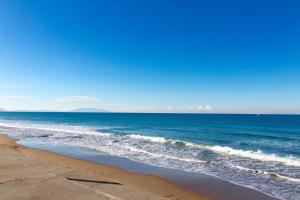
x,y
53,128
82,130
257,155
148,138
161,140
164,155
171,153
272,174
296,180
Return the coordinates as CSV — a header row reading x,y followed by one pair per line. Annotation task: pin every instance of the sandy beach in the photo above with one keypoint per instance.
x,y
28,173
149,100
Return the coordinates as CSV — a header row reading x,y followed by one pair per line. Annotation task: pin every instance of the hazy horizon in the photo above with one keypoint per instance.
x,y
98,110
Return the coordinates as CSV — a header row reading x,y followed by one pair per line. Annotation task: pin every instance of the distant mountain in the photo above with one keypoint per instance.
x,y
88,110
34,111
93,110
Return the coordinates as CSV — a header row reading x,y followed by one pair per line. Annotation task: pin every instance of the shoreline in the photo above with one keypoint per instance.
x,y
200,183
133,185
141,177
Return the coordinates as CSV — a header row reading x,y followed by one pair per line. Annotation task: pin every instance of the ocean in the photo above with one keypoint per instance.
x,y
261,152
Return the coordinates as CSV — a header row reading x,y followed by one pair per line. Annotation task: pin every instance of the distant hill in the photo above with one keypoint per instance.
x,y
90,110
34,111
93,110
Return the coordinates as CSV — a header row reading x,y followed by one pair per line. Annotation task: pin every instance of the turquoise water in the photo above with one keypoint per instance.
x,y
257,151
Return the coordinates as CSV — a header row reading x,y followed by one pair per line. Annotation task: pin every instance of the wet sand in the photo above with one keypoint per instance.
x,y
208,185
27,173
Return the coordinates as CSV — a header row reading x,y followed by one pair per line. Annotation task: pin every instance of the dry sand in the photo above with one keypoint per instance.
x,y
27,173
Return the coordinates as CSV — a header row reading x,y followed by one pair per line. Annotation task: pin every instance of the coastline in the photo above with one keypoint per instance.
x,y
204,184
24,169
139,177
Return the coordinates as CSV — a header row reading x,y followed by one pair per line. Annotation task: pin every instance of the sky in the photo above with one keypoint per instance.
x,y
202,56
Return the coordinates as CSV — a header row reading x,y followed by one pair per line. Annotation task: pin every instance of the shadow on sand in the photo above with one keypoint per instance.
x,y
94,181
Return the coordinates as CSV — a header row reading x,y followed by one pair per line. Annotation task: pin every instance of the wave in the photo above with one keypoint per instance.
x,y
256,155
221,161
226,150
157,139
164,155
148,138
54,128
271,174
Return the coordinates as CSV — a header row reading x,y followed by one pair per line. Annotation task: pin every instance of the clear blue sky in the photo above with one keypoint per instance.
x,y
151,56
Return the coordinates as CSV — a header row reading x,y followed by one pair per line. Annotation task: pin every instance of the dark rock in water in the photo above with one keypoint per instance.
x,y
45,135
207,155
179,144
274,175
168,142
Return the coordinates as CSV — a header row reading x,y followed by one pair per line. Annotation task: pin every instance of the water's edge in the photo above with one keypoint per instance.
x,y
201,183
257,152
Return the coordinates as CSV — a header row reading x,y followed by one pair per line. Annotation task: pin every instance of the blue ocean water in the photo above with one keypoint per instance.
x,y
258,151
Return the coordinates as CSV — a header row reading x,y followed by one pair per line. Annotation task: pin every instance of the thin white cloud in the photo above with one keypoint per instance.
x,y
188,109
170,108
200,107
17,97
204,108
11,85
77,99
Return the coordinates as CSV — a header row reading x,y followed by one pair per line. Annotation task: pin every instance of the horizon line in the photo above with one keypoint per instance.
x,y
120,112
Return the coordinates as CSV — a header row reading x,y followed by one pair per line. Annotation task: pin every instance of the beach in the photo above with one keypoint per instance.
x,y
222,157
149,100
44,171
28,173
